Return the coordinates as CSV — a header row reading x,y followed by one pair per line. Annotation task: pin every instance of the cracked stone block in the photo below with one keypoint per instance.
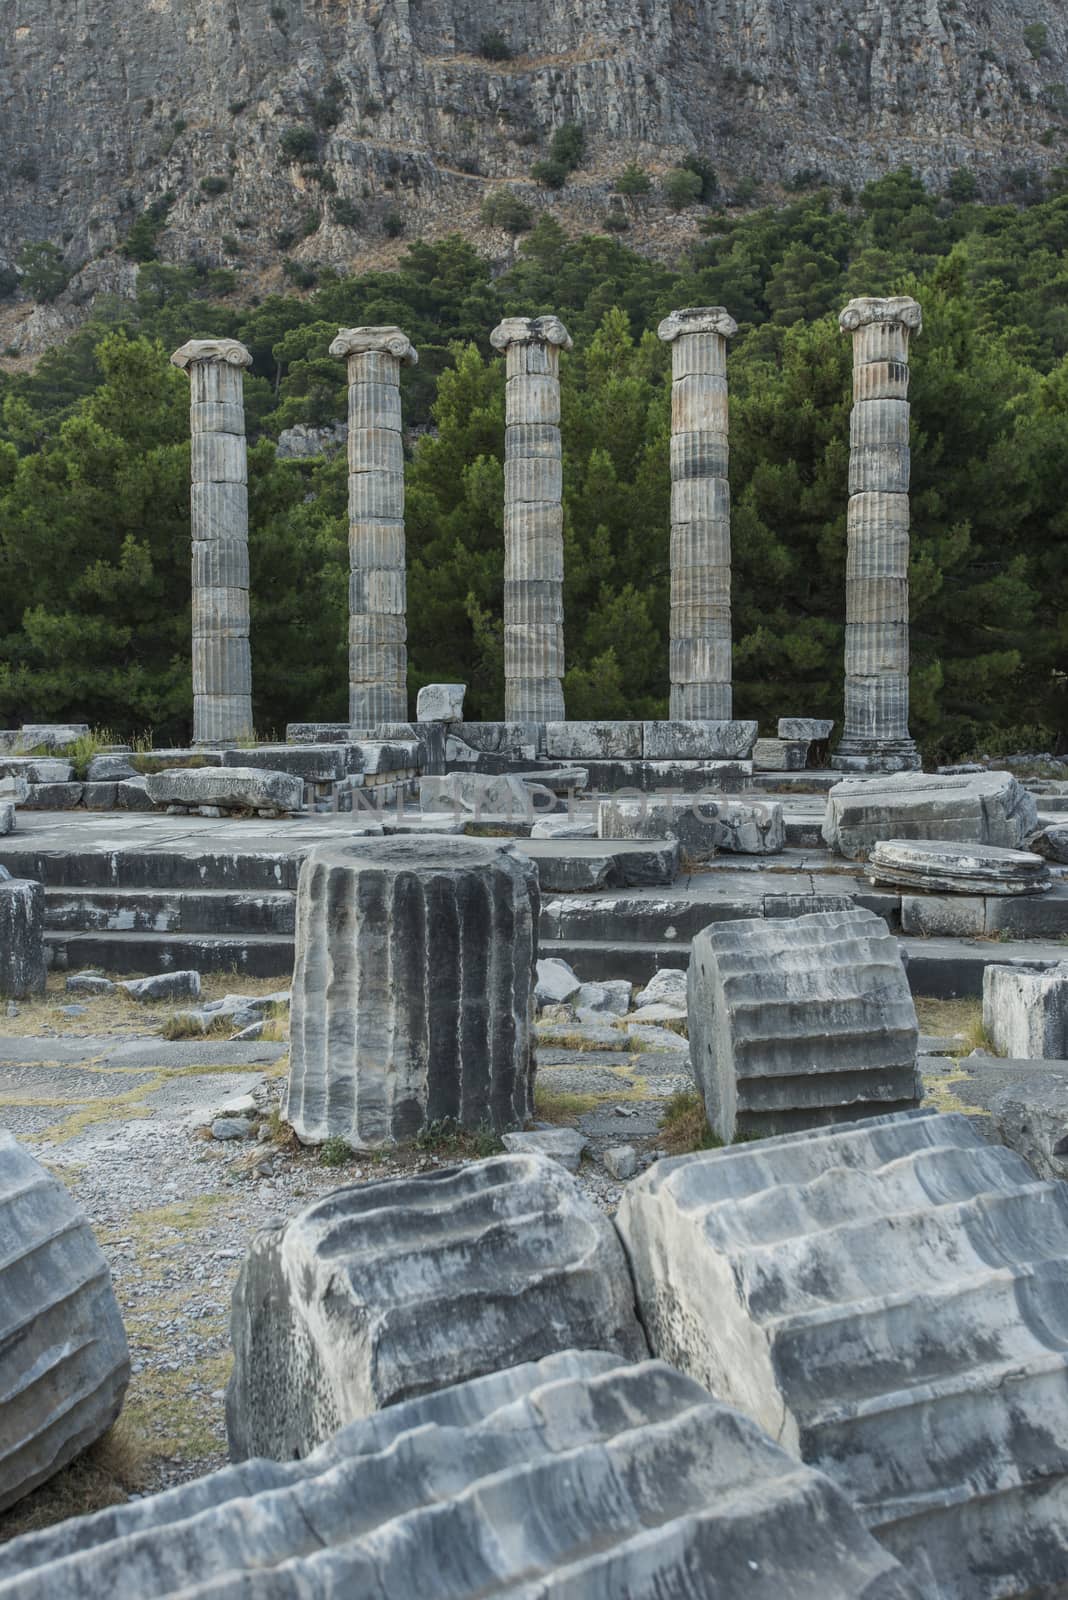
x,y
388,1290
23,971
965,808
570,1477
957,869
698,741
441,702
890,1299
1051,842
231,788
816,730
485,795
589,741
795,1022
64,1365
412,989
1025,1013
702,827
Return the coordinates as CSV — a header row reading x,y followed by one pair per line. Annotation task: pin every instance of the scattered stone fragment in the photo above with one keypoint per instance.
x,y
702,827
231,1128
109,769
23,971
564,826
564,1145
666,987
229,788
1051,842
1025,1012
658,1011
88,984
7,817
412,989
184,985
575,1475
584,1036
387,1290
441,702
982,808
605,999
621,1161
644,1037
817,730
64,1364
957,869
889,1297
252,1032
555,982
485,795
556,1013
799,1021
73,1011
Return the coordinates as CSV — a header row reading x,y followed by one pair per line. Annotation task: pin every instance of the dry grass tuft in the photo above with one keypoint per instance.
x,y
684,1126
104,1475
555,1105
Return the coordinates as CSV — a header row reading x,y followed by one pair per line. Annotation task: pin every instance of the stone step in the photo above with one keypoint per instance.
x,y
253,955
100,865
154,911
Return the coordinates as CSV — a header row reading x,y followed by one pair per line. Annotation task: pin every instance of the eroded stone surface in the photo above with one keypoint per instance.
x,y
412,989
890,1298
22,947
229,788
573,1476
485,795
702,827
1026,1013
799,1021
955,869
388,1290
965,808
441,702
64,1364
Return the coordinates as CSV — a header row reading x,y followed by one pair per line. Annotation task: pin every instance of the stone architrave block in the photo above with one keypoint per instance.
x,y
64,1365
965,808
955,869
817,730
571,1476
441,702
484,795
23,971
889,1297
412,989
230,788
590,741
796,1022
780,755
1025,1012
698,741
388,1290
702,827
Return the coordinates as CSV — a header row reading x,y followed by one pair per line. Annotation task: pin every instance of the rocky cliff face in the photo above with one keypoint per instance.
x,y
106,106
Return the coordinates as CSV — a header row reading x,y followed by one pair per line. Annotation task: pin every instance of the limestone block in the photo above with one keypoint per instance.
x,y
795,1022
889,1297
814,729
702,827
966,808
54,736
391,1289
441,702
482,794
184,985
35,769
1025,1012
64,1364
232,788
698,741
54,796
780,755
955,869
572,1476
110,769
412,989
22,947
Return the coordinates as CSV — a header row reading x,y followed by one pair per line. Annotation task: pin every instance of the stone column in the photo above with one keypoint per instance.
x,y
222,665
876,737
700,514
378,633
533,519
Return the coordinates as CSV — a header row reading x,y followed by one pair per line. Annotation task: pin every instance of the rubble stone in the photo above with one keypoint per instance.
x,y
183,985
564,1145
1051,842
555,982
391,1289
890,1298
64,1364
621,1161
800,1021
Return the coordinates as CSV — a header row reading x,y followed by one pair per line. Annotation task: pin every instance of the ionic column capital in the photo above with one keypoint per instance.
x,y
391,341
530,330
231,352
698,319
900,310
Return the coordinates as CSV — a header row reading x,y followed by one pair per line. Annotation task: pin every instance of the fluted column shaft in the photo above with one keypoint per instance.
x,y
700,514
378,632
876,736
222,663
533,519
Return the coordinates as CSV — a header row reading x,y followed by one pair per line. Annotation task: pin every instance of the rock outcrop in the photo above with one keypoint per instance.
x,y
890,1299
412,989
404,107
798,1021
574,1476
64,1365
389,1290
